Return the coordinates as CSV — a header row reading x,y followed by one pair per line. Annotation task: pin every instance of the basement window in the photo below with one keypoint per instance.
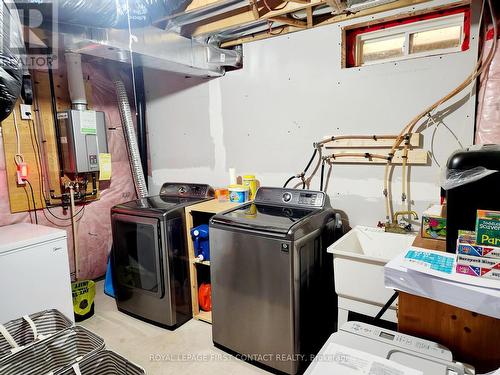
x,y
412,37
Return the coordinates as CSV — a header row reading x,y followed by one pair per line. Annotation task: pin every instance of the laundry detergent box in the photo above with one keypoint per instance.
x,y
489,273
483,262
488,228
466,245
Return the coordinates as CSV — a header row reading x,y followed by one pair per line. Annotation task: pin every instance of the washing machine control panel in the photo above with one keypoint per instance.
x,y
292,197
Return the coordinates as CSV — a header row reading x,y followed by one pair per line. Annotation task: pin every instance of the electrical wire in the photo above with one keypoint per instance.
x,y
29,207
64,225
34,141
288,181
33,198
18,157
322,174
302,175
273,9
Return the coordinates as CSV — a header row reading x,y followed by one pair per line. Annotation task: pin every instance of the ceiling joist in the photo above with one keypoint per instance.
x,y
323,19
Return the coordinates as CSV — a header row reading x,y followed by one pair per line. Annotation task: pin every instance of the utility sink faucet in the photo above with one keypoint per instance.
x,y
396,227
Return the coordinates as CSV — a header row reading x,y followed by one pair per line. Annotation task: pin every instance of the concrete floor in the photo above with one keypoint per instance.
x,y
187,350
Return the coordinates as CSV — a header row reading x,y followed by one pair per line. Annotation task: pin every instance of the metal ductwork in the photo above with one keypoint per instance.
x,y
130,135
151,47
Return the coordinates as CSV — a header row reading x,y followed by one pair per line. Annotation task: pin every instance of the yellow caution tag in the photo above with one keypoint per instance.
x,y
104,167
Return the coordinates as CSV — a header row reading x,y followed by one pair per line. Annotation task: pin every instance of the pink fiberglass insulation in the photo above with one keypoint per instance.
x,y
488,117
94,226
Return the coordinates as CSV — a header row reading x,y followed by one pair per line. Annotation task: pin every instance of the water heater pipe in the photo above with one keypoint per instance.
x,y
130,134
76,85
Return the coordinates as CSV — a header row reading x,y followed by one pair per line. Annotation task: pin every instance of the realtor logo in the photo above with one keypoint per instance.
x,y
30,32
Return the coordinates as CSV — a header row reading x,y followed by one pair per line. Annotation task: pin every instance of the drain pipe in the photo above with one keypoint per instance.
x,y
129,131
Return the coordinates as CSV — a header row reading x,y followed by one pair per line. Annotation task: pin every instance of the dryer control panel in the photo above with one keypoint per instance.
x,y
187,190
292,197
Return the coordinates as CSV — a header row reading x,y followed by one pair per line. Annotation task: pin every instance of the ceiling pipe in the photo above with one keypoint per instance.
x,y
76,85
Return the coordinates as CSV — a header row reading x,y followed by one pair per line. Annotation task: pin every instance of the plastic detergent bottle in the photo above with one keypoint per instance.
x,y
250,181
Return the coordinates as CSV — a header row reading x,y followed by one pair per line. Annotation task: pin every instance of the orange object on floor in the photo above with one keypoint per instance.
x,y
205,297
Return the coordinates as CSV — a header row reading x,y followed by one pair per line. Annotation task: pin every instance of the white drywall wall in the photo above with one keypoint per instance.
x,y
291,92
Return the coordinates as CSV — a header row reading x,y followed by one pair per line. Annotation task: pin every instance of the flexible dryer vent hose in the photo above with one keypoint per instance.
x,y
129,131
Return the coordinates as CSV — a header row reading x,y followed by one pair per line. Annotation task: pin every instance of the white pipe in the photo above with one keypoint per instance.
x,y
76,85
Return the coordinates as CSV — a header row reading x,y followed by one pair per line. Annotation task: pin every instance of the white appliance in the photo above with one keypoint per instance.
x,y
359,348
34,271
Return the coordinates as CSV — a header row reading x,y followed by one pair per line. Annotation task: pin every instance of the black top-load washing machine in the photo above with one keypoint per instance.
x,y
150,257
273,299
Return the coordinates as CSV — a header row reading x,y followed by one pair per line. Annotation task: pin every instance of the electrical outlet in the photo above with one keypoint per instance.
x,y
26,113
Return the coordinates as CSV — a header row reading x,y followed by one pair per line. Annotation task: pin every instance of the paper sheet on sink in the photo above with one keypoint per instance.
x,y
417,279
440,264
340,359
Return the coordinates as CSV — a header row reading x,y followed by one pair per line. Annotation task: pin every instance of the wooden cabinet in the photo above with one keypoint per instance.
x,y
472,338
198,214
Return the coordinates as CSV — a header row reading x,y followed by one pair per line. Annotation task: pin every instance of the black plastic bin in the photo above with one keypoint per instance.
x,y
463,201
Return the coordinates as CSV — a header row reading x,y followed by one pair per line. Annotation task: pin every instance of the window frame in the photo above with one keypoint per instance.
x,y
406,26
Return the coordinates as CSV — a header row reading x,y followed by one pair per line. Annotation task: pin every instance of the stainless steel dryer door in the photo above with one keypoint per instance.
x,y
137,254
252,298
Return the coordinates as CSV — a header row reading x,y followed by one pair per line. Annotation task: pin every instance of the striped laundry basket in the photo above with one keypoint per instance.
x,y
18,333
104,362
52,354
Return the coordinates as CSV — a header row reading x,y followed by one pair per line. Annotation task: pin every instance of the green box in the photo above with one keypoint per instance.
x,y
433,227
488,228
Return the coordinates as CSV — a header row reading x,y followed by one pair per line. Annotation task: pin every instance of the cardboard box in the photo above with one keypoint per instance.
x,y
434,223
466,245
482,262
488,228
478,251
466,236
478,271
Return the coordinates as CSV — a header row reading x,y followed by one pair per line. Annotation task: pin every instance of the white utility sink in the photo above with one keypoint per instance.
x,y
359,258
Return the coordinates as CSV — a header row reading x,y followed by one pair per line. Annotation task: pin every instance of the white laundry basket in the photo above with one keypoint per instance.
x,y
18,333
52,354
105,362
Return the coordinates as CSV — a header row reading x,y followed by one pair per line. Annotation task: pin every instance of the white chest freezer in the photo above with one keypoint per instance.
x,y
34,271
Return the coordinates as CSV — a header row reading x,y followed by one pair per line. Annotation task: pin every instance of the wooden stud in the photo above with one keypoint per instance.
x,y
243,17
255,9
339,6
309,13
246,18
290,21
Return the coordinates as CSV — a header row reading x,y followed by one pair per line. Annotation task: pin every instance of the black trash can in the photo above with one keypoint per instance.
x,y
464,200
